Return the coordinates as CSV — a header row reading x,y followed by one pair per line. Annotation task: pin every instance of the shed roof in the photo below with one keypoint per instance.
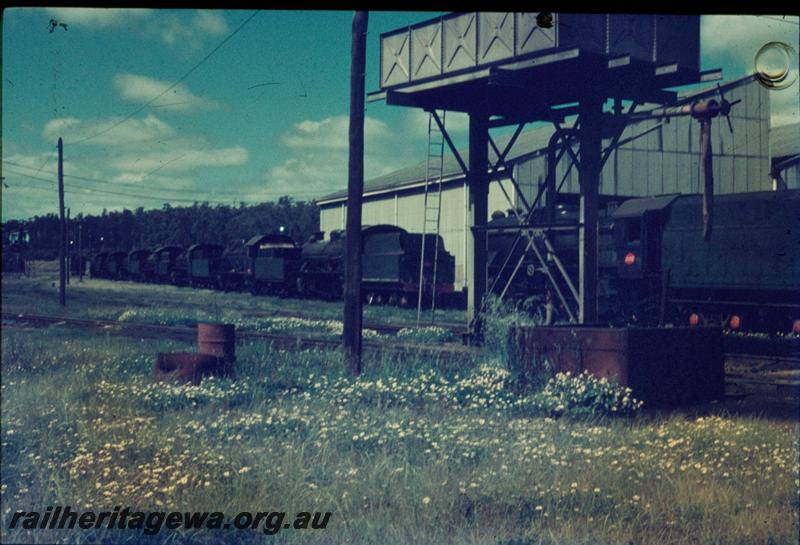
x,y
784,140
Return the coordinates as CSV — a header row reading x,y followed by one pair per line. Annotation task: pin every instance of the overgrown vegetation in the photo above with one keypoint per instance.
x,y
410,452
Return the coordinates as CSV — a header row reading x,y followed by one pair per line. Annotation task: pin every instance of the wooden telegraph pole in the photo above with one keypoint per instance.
x,y
80,250
62,250
69,247
355,189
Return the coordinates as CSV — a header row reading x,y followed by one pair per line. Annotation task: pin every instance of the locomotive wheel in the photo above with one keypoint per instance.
x,y
370,298
392,300
403,302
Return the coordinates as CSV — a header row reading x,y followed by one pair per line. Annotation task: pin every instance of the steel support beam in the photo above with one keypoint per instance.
x,y
478,212
589,167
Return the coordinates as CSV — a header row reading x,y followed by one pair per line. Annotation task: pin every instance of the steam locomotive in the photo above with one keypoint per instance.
x,y
656,267
275,264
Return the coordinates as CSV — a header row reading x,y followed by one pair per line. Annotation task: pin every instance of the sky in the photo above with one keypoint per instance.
x,y
260,108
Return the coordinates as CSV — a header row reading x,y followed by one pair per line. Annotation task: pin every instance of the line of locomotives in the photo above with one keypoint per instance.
x,y
656,266
276,264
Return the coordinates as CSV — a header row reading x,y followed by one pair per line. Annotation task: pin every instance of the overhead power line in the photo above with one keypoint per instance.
x,y
116,193
171,87
72,186
163,190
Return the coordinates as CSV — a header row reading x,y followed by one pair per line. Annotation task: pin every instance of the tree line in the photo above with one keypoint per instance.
x,y
182,226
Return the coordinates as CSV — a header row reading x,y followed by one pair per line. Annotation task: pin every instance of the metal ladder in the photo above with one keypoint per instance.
x,y
432,208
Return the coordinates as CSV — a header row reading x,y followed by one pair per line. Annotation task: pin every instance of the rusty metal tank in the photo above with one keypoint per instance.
x,y
218,340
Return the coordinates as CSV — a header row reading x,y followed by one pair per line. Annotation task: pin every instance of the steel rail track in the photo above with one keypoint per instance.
x,y
190,334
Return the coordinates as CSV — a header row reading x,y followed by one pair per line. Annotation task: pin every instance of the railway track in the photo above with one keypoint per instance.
x,y
745,373
189,334
110,296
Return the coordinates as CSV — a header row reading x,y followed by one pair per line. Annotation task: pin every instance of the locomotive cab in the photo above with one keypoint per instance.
x,y
165,264
273,263
639,224
138,264
639,278
117,265
203,263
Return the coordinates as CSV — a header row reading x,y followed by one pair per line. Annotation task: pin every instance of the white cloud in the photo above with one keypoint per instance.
x,y
173,29
178,160
142,89
155,181
455,123
29,162
98,17
331,133
132,131
210,22
318,154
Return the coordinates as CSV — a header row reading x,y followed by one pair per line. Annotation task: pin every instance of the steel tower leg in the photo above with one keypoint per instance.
x,y
591,112
478,183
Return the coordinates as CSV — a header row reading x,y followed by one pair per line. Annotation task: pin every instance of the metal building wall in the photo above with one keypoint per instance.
x,y
667,159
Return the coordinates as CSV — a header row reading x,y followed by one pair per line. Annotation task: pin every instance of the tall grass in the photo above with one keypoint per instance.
x,y
410,452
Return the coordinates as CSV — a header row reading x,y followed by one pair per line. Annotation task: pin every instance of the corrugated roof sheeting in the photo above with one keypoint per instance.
x,y
784,140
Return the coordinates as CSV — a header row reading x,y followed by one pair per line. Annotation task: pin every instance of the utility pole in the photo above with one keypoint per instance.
x,y
62,250
69,247
355,189
80,250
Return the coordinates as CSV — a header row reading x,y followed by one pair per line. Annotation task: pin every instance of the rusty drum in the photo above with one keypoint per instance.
x,y
218,340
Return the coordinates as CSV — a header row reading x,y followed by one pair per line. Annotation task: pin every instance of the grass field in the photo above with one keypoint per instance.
x,y
104,297
410,452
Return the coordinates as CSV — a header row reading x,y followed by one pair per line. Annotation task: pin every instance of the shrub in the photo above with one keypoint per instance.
x,y
430,334
585,395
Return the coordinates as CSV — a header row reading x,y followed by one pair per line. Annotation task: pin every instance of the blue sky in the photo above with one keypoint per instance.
x,y
264,116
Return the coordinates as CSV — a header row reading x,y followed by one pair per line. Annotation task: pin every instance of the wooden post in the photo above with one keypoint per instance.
x,y
355,189
478,183
69,247
80,251
62,288
591,115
